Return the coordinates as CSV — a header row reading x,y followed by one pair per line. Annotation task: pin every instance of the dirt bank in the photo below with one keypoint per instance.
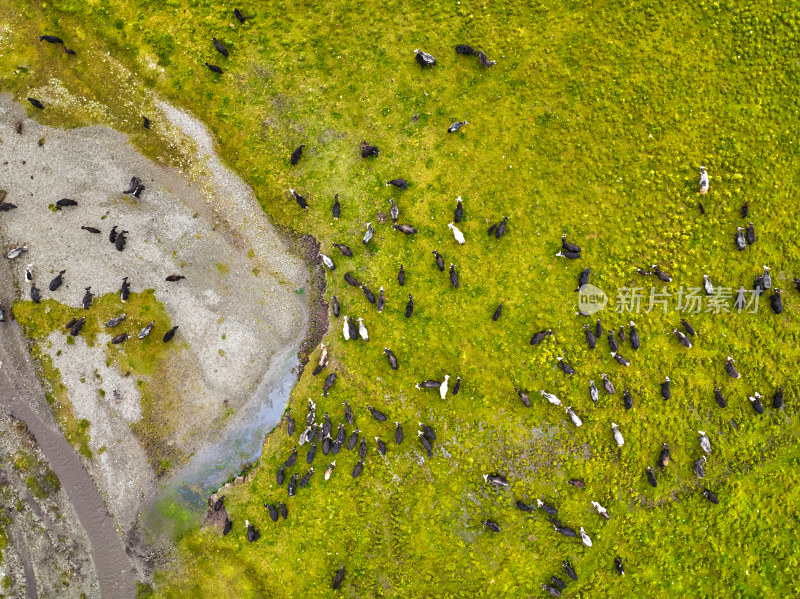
x,y
318,317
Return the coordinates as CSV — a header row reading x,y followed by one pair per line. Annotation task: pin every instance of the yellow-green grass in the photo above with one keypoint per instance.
x,y
593,123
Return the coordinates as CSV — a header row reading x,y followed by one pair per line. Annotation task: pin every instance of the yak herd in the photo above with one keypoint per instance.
x,y
321,434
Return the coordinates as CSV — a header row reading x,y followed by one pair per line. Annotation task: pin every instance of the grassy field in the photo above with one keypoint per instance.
x,y
592,123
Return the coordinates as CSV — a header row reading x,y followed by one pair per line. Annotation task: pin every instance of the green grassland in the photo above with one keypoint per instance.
x,y
593,124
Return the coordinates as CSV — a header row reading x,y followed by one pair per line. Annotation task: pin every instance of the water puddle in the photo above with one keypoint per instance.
x,y
183,497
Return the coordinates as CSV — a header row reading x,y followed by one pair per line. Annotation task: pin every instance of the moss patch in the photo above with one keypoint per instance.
x,y
24,461
4,522
43,484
